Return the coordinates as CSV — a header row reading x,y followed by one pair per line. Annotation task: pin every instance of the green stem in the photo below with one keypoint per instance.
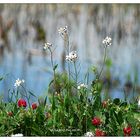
x,y
76,74
125,97
134,91
52,63
54,75
68,51
104,59
26,95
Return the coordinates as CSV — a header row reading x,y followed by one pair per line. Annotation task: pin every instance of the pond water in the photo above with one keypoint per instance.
x,y
24,28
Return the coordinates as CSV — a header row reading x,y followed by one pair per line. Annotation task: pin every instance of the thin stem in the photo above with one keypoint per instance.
x,y
26,94
54,75
68,51
104,59
134,87
52,63
125,97
86,108
76,75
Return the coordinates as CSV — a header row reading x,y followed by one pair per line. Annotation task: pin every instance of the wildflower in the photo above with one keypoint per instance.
x,y
72,56
82,86
127,131
96,121
107,41
99,132
18,82
34,106
22,103
47,46
17,135
10,114
63,32
89,134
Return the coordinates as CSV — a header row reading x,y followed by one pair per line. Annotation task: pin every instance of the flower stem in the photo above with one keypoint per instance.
x,y
104,59
52,63
76,74
28,99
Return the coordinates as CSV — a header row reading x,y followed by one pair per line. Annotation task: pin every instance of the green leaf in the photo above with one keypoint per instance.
x,y
123,104
98,114
137,116
45,101
108,63
120,117
55,67
116,101
71,121
51,83
31,93
1,78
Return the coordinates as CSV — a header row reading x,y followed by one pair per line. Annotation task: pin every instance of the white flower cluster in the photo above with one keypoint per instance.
x,y
82,86
107,41
18,82
72,56
63,32
17,135
47,46
89,134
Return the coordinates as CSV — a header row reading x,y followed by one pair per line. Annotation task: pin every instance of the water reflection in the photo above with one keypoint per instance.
x,y
25,27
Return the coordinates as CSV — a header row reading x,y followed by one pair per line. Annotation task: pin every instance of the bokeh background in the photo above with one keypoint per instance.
x,y
24,28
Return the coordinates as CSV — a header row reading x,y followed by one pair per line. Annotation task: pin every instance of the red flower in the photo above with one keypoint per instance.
x,y
104,104
99,133
10,114
127,131
96,121
22,103
34,106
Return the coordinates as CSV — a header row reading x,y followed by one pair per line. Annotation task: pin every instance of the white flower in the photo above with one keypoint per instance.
x,y
72,56
89,134
107,41
63,32
17,135
18,82
81,86
139,103
47,46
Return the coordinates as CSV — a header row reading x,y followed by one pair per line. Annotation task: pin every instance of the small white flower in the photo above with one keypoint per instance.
x,y
89,134
47,46
107,41
81,86
72,56
63,32
139,103
18,82
17,135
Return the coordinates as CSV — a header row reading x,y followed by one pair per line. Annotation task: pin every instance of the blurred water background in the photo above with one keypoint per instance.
x,y
24,28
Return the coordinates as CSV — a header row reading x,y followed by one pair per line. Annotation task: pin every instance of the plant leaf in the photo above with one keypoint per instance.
x,y
31,93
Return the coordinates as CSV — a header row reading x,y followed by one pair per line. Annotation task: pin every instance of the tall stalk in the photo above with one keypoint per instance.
x,y
104,59
52,63
54,75
76,74
28,99
68,51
